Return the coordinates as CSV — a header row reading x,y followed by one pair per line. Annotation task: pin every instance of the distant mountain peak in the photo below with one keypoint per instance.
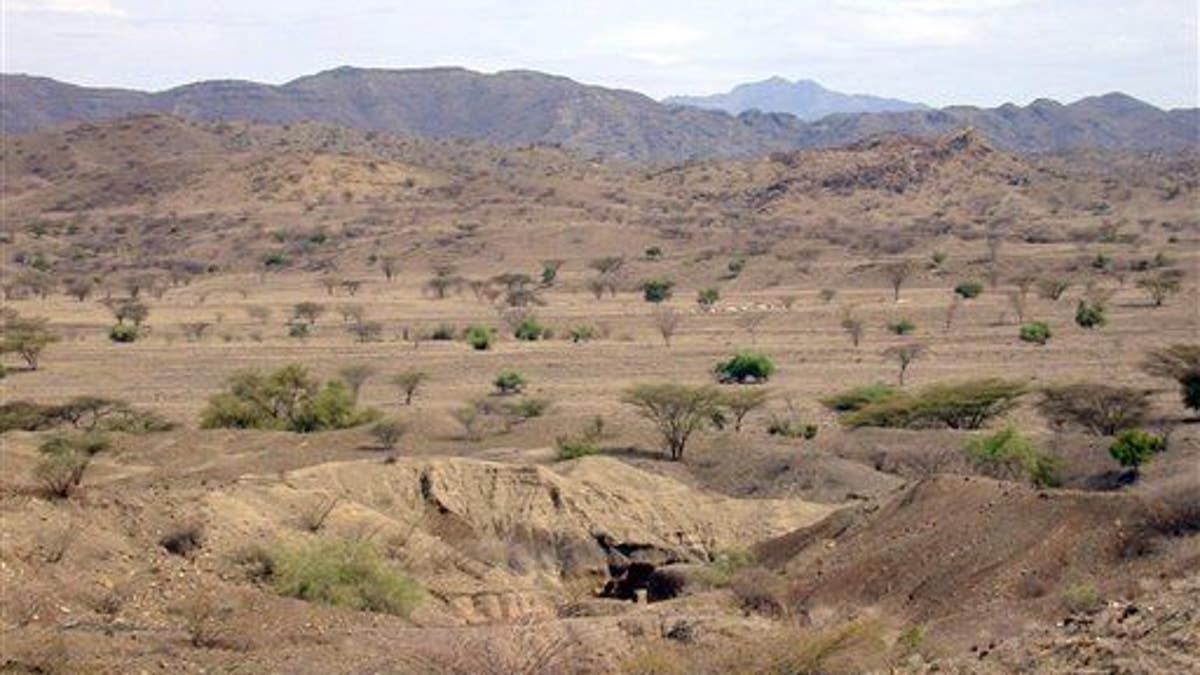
x,y
806,99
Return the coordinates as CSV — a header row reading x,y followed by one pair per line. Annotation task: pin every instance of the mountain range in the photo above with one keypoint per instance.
x,y
523,107
805,99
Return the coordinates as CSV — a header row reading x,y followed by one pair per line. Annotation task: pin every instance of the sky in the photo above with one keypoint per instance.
x,y
939,52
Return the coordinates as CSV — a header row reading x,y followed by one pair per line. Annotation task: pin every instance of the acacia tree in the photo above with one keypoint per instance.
x,y
308,312
677,410
408,382
1161,286
897,273
854,327
26,337
355,376
741,402
667,321
904,355
1180,362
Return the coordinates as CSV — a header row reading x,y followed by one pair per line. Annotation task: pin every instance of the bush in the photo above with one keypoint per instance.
x,y
657,290
707,297
902,327
1099,408
529,330
344,573
745,367
528,408
581,333
965,405
1135,447
854,399
481,337
59,474
969,289
123,332
1082,599
790,427
90,413
288,399
1037,332
1008,455
443,332
1090,314
509,382
583,443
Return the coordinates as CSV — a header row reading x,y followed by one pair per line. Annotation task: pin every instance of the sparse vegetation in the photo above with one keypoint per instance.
x,y
657,290
708,297
741,402
388,432
1009,455
509,382
964,405
344,573
904,355
859,397
1135,447
1180,362
1037,332
969,290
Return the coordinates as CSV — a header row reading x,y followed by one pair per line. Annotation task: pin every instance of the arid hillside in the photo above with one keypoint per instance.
x,y
305,399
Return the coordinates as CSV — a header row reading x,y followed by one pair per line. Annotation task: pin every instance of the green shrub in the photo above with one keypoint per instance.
x,y
965,405
583,443
745,367
1009,455
1037,332
299,329
854,399
344,573
276,259
736,265
657,290
581,333
123,332
529,330
1090,314
288,399
1135,447
902,327
969,289
509,382
654,253
481,337
707,297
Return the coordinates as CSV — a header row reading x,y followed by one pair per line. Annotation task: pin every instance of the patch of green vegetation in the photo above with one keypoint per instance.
x,y
344,573
964,405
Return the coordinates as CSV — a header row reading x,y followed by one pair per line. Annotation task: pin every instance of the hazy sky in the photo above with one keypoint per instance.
x,y
935,51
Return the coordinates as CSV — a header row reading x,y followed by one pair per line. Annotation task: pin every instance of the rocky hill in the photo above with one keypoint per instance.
x,y
523,107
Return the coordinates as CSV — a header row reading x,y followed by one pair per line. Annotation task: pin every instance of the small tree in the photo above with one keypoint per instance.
x,y
904,355
1052,288
1102,409
667,321
707,297
388,432
26,337
607,265
1161,286
657,290
355,376
897,273
854,328
741,402
1180,362
366,331
509,382
409,382
1007,454
1017,300
389,265
952,311
308,312
1135,447
677,411
130,310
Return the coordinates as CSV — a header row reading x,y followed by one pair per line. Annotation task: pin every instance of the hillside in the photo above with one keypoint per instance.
x,y
805,99
522,107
